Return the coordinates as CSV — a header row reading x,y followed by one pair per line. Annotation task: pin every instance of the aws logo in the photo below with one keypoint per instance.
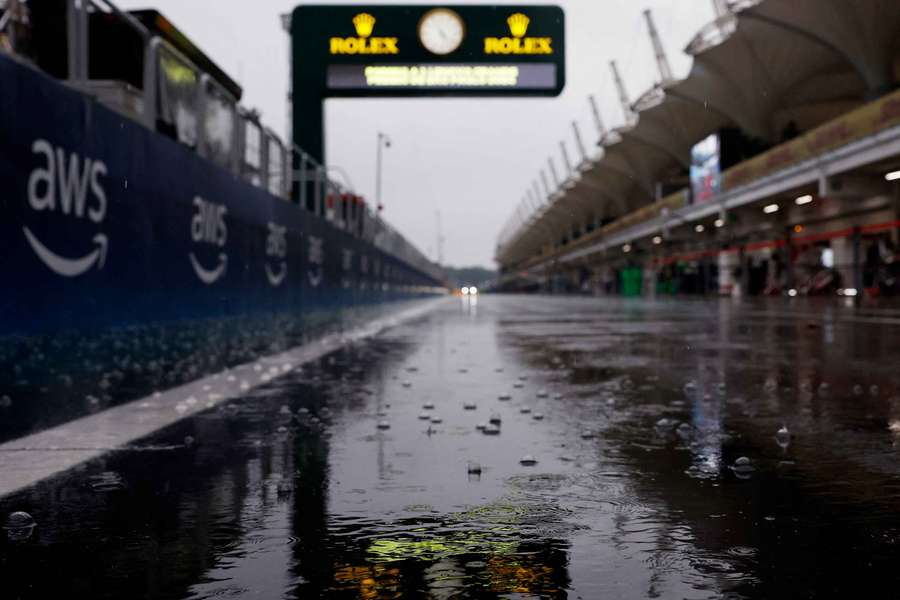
x,y
276,253
69,185
518,43
209,230
364,23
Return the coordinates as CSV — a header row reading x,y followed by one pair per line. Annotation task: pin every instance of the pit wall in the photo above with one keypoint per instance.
x,y
132,265
107,224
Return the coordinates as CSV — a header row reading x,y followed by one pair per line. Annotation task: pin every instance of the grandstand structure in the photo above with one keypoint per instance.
x,y
772,167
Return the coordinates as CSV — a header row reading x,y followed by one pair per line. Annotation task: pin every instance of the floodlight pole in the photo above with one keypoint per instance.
x,y
383,142
662,62
579,142
720,7
623,95
598,120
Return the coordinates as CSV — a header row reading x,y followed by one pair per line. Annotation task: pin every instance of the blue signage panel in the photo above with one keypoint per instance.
x,y
107,223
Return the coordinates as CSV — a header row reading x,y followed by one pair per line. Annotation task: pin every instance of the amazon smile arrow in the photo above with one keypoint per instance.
x,y
69,267
210,276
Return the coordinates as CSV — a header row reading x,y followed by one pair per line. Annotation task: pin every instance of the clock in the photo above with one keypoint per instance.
x,y
441,31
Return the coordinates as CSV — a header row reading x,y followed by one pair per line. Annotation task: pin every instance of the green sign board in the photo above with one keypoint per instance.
x,y
416,51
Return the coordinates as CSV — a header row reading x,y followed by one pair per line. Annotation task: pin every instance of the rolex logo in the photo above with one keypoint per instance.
x,y
518,25
517,43
364,24
363,43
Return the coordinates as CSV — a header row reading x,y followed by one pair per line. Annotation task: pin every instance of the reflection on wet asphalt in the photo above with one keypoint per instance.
x,y
678,449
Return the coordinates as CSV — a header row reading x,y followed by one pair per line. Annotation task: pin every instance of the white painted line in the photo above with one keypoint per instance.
x,y
26,461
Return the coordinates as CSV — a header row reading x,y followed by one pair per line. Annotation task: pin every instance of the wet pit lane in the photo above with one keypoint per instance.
x,y
677,449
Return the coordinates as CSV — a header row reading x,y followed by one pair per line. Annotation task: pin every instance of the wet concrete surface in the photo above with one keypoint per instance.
x,y
658,466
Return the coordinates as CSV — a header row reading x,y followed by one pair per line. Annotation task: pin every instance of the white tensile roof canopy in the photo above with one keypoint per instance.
x,y
768,67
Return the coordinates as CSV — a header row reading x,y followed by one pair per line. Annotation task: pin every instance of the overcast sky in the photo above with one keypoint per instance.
x,y
472,159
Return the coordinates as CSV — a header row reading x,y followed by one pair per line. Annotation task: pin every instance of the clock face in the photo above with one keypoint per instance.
x,y
441,31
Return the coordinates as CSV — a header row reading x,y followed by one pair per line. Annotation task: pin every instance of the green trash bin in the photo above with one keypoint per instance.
x,y
631,280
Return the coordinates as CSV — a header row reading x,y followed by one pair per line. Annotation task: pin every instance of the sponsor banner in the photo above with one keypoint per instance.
x,y
705,176
106,223
864,121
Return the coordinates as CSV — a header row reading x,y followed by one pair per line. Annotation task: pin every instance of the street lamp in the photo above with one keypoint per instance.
x,y
383,142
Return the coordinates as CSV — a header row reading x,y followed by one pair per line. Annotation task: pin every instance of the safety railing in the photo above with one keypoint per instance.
x,y
181,100
185,102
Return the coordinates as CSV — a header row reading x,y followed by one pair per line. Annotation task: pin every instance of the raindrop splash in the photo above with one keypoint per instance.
x,y
19,526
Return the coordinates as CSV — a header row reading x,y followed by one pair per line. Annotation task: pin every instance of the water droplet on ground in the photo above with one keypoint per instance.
x,y
384,425
428,406
473,468
538,416
19,525
107,481
495,419
542,394
783,437
469,406
424,416
504,397
742,467
525,410
528,461
491,430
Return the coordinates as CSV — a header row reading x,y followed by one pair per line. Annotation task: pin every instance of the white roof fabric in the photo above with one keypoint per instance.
x,y
767,67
